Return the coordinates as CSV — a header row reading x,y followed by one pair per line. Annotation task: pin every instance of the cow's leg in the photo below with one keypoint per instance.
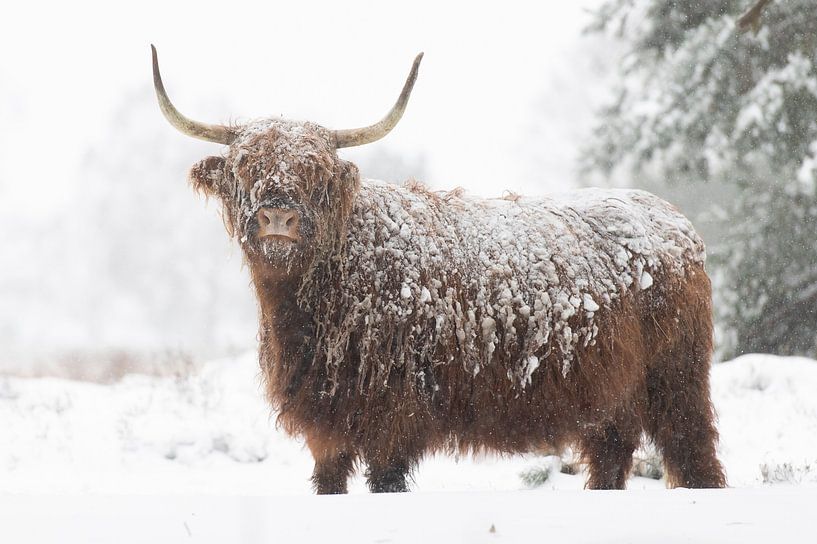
x,y
680,416
388,476
331,474
608,453
333,466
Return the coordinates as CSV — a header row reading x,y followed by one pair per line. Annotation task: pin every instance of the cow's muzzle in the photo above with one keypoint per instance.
x,y
279,223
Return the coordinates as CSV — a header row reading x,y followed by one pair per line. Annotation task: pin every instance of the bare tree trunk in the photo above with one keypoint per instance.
x,y
751,17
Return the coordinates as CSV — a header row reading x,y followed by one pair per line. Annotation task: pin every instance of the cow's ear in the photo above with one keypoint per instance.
x,y
350,175
207,176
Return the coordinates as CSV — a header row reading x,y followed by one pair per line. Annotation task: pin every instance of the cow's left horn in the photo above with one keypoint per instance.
x,y
209,133
367,135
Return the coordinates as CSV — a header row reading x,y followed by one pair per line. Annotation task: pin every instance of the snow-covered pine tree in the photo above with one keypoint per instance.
x,y
702,103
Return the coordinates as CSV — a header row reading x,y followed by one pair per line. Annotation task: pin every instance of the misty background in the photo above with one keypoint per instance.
x,y
110,263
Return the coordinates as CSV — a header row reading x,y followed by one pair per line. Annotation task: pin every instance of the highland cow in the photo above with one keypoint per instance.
x,y
397,321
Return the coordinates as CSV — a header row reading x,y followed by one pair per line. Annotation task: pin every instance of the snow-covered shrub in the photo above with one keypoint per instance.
x,y
539,474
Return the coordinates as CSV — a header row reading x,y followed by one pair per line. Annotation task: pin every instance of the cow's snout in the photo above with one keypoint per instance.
x,y
278,223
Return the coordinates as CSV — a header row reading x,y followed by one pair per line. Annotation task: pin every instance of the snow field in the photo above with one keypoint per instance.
x,y
197,458
212,433
736,516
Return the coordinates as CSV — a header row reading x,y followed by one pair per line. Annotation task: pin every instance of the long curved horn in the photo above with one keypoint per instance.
x,y
367,135
209,133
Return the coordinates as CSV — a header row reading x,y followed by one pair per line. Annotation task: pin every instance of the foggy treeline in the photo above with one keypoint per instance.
x,y
716,110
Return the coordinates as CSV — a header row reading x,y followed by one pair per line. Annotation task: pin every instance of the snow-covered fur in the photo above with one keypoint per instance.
x,y
406,321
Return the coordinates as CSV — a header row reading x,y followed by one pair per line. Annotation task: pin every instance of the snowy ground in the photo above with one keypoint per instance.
x,y
200,454
736,516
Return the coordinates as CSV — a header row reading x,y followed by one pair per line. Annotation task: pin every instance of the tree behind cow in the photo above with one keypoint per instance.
x,y
703,105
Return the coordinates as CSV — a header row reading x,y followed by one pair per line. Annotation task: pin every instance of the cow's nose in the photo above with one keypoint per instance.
x,y
278,223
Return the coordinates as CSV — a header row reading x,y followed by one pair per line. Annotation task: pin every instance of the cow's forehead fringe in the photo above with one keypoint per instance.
x,y
290,132
292,156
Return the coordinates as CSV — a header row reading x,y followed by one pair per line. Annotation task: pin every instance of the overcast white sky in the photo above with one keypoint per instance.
x,y
503,99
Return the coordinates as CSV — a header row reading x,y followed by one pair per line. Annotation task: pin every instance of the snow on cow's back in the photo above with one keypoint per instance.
x,y
638,229
608,237
487,269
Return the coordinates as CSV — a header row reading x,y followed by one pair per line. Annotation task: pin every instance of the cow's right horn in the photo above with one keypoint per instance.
x,y
360,136
210,133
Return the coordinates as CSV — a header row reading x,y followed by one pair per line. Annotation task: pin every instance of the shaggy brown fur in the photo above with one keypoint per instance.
x,y
382,345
